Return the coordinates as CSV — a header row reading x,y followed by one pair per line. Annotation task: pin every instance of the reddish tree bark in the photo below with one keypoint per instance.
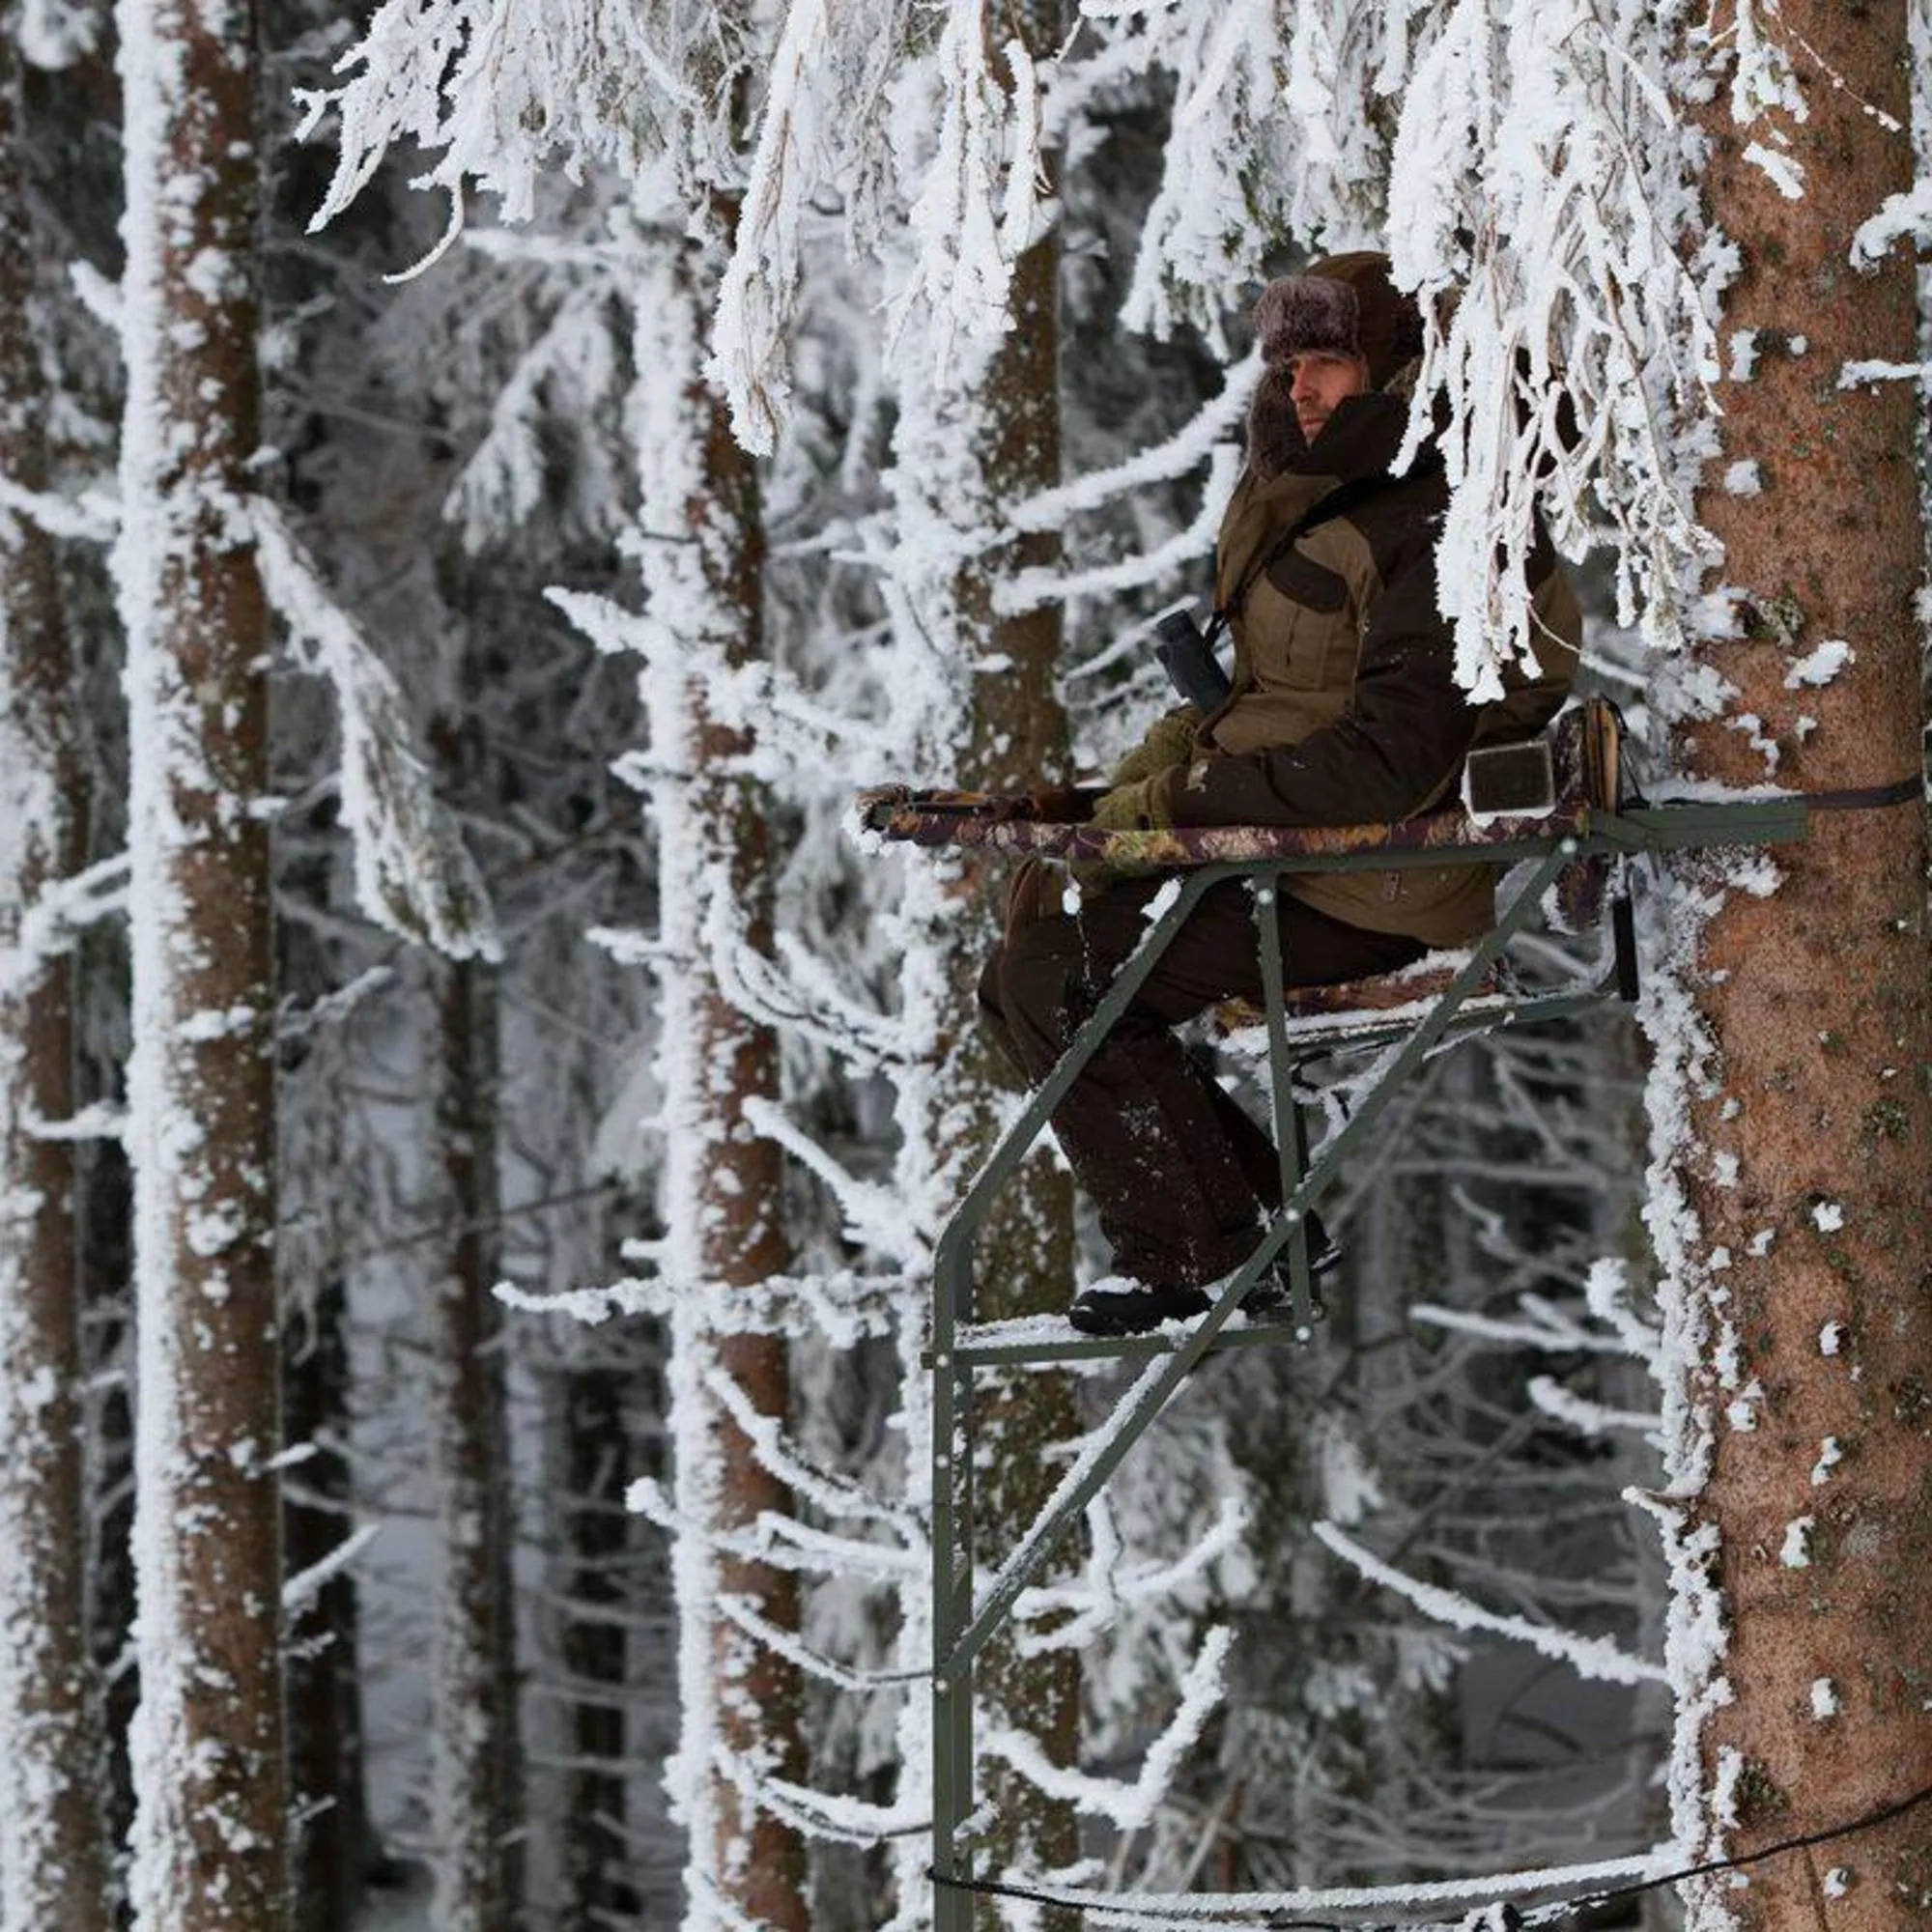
x,y
53,1865
1805,1172
723,1181
212,1822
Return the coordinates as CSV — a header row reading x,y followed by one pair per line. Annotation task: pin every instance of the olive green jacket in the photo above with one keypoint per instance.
x,y
1344,708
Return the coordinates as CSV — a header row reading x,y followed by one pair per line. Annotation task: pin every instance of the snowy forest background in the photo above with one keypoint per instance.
x,y
647,459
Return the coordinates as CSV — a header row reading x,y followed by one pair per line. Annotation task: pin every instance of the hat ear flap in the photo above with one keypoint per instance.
x,y
1275,442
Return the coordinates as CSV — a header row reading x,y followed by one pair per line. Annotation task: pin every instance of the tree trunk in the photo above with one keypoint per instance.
x,y
53,1865
334,1847
475,1797
106,1238
1794,1207
1024,1264
599,1582
978,434
723,1183
1006,430
211,1825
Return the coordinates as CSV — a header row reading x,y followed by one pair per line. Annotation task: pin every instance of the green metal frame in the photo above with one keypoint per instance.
x,y
966,1613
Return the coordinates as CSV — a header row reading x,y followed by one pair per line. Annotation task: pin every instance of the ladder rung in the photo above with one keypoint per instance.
x,y
1045,1342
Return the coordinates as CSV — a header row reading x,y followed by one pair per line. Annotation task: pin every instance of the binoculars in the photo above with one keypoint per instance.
x,y
1190,663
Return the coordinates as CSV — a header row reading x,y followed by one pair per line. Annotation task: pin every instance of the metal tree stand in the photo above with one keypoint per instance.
x,y
1583,830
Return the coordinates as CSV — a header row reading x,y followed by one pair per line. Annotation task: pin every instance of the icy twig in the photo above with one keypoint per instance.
x,y
813,1664
303,1588
828,1492
874,1215
92,517
1099,1595
413,874
57,917
1589,1657
1130,1806
1587,1418
843,1307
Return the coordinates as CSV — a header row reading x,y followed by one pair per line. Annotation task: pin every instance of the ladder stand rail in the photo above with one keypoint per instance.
x,y
961,1626
966,1614
1086,1480
1582,839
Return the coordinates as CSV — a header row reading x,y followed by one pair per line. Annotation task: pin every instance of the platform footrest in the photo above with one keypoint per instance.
x,y
1419,986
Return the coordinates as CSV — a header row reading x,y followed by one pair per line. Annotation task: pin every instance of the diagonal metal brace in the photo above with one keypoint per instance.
x,y
1089,1474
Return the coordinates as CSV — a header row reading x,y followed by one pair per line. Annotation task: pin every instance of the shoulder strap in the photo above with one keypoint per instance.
x,y
1338,502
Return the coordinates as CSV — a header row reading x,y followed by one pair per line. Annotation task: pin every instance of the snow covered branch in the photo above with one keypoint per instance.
x,y
413,872
1104,1590
504,88
780,1541
58,917
1130,1806
305,1585
92,517
833,1496
820,1814
755,985
56,33
1589,1657
814,1663
845,1307
503,481
1541,204
978,208
874,1215
751,353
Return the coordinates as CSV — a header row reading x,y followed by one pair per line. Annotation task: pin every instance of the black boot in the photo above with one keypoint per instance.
x,y
1127,1307
1324,1255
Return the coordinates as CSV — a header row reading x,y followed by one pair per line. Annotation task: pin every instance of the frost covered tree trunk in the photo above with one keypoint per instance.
x,y
1793,1195
53,1866
334,1847
1026,1259
988,440
475,1774
721,1198
211,1824
598,1577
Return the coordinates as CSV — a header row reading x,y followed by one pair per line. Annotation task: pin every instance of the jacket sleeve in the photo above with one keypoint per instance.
x,y
1395,749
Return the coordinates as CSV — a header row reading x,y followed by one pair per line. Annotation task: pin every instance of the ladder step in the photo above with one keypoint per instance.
x,y
1320,1009
1479,1013
1044,1340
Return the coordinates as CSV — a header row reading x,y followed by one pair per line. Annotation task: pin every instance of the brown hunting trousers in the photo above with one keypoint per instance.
x,y
1181,1174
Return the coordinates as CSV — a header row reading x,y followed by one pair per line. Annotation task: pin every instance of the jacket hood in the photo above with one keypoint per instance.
x,y
1361,439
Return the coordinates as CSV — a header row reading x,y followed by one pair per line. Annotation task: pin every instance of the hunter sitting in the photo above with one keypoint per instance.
x,y
1344,711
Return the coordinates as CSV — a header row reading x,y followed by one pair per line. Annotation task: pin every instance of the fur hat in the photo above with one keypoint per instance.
x,y
1344,305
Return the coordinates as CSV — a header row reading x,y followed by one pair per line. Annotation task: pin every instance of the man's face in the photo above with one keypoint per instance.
x,y
1322,381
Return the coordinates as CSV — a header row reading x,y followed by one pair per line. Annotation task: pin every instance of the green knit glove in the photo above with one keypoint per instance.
x,y
1169,742
1138,807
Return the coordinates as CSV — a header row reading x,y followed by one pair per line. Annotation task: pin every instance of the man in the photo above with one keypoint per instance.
x,y
1344,711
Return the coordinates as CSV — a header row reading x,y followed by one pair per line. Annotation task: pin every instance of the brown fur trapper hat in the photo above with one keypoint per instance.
x,y
1347,305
